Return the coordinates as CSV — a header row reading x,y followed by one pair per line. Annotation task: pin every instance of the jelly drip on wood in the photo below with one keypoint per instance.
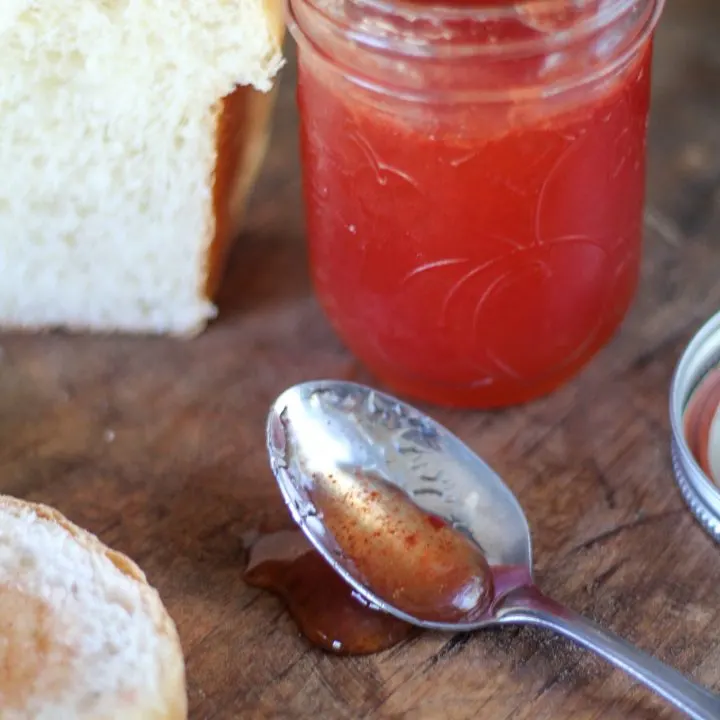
x,y
324,607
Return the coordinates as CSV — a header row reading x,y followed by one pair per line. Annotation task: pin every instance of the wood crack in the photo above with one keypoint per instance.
x,y
608,491
603,577
639,522
453,646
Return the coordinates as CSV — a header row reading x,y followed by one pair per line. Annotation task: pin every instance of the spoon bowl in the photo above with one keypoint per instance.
x,y
325,438
327,429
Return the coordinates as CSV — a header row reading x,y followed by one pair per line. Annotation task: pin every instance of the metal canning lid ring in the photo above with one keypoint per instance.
x,y
701,494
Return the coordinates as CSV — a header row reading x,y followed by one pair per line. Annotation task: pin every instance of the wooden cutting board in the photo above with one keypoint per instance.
x,y
157,446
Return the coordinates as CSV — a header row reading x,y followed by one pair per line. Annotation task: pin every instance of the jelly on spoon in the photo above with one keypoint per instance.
x,y
320,431
412,559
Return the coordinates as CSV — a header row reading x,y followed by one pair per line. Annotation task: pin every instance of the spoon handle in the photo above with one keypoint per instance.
x,y
528,606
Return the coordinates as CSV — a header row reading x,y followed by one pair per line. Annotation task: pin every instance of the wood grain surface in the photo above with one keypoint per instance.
x,y
157,446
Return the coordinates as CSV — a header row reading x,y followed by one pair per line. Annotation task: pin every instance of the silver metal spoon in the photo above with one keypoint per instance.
x,y
342,430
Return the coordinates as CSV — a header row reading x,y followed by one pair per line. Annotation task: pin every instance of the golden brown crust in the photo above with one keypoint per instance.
x,y
186,333
89,541
242,138
18,674
243,129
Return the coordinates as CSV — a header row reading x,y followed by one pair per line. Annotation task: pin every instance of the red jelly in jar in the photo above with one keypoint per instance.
x,y
474,184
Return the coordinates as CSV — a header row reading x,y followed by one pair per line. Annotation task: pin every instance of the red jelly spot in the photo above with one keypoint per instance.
x,y
436,522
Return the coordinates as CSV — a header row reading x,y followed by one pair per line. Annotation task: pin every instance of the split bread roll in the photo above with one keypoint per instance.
x,y
132,132
82,634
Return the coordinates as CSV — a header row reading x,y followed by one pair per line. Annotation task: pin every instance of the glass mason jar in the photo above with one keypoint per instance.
x,y
474,180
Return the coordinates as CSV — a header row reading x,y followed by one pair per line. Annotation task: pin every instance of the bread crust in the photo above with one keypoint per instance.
x,y
243,130
244,124
173,704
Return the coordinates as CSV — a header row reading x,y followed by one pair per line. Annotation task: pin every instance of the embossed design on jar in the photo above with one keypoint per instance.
x,y
472,251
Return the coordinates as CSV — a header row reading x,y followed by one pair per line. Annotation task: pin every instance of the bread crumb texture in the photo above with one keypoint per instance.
x,y
109,113
82,635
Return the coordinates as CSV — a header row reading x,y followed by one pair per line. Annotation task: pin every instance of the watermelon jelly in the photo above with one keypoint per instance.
x,y
474,180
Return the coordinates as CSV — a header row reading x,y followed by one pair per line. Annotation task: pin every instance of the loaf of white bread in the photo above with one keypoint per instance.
x,y
130,134
82,634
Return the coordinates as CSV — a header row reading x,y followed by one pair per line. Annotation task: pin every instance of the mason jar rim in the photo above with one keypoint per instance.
x,y
309,20
393,11
489,10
